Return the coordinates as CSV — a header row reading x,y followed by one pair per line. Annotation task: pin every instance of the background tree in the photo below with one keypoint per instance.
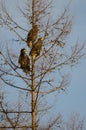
x,y
47,50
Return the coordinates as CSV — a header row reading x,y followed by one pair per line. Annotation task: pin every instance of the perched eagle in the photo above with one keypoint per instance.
x,y
36,49
32,35
24,61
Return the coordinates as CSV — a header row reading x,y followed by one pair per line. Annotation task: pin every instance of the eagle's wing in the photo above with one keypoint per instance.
x,y
24,63
20,60
26,68
29,38
32,35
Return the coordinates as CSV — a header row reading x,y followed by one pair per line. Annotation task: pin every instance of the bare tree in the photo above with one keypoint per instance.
x,y
47,59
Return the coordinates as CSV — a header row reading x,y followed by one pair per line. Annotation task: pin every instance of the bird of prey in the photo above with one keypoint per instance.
x,y
36,49
32,35
24,61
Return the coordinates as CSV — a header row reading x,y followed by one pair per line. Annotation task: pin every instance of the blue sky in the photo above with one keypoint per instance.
x,y
74,99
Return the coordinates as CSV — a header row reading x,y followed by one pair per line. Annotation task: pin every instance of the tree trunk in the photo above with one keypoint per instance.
x,y
34,126
33,97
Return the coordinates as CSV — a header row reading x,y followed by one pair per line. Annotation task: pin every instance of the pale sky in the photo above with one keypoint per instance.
x,y
74,100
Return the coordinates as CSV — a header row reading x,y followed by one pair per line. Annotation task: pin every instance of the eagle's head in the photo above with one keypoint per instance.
x,y
23,51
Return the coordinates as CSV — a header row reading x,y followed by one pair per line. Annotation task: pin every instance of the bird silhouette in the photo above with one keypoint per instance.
x,y
37,47
32,36
24,61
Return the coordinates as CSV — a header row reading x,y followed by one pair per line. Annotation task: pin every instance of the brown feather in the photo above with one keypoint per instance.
x,y
35,51
24,61
32,35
